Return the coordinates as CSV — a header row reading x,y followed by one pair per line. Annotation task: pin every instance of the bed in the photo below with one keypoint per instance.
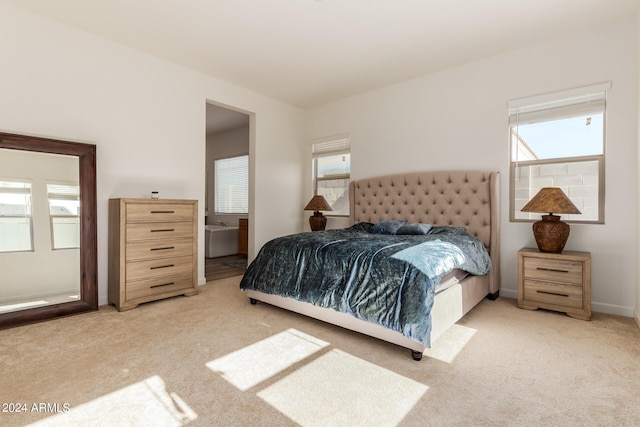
x,y
392,293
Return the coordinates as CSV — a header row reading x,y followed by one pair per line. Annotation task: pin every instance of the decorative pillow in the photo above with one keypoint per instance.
x,y
362,226
414,229
387,227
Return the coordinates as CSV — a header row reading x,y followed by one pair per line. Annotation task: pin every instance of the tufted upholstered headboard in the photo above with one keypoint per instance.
x,y
467,199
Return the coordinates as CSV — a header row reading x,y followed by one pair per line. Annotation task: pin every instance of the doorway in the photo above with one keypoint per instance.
x,y
227,136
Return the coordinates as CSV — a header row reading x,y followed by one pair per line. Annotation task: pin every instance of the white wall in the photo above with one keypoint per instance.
x,y
457,119
147,118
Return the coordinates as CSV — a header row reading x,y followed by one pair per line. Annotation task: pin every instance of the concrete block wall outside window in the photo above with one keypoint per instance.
x,y
578,180
336,191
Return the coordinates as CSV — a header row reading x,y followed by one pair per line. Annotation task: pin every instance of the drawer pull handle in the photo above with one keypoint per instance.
x,y
553,293
163,212
166,248
557,270
162,266
163,230
162,284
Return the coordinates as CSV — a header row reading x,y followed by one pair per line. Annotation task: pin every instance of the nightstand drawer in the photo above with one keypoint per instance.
x,y
553,270
553,293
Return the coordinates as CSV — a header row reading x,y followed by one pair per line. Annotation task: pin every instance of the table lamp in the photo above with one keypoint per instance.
x,y
317,221
550,233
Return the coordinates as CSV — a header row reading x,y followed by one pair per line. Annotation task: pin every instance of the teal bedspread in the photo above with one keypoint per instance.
x,y
385,279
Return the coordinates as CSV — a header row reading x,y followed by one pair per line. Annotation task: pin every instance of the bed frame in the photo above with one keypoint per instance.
x,y
467,199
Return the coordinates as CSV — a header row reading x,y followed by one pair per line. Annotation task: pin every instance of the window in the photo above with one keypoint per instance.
x,y
557,140
15,217
64,215
232,185
331,169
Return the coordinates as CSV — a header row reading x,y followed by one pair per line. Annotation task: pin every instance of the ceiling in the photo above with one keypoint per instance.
x,y
310,52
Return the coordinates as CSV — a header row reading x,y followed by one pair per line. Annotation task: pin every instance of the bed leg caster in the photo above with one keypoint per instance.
x,y
417,355
253,301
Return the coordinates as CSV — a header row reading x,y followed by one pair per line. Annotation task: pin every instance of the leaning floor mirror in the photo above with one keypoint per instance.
x,y
48,234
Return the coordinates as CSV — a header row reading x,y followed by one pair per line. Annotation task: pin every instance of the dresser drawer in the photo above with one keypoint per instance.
x,y
153,249
161,212
553,270
550,293
158,268
158,285
158,230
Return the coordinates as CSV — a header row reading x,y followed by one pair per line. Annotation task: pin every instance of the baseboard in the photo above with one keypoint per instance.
x,y
509,293
617,310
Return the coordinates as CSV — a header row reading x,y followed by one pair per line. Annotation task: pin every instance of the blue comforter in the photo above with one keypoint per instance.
x,y
385,279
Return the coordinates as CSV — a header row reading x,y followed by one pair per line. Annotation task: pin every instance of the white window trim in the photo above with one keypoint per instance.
x,y
329,146
573,102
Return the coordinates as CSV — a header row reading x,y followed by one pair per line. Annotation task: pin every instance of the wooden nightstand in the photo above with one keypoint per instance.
x,y
560,282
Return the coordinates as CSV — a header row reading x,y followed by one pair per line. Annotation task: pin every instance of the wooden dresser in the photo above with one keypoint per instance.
x,y
560,282
153,250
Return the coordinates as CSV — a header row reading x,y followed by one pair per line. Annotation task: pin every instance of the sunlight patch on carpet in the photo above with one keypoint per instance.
x,y
450,343
257,362
143,403
340,389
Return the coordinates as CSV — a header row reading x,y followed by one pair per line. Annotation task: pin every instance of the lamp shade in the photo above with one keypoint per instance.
x,y
551,200
318,203
550,233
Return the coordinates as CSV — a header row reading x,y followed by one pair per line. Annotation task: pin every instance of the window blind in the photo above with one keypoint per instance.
x,y
232,185
570,103
15,198
63,191
336,144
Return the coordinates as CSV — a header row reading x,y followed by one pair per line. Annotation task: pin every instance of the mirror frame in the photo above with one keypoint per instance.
x,y
88,301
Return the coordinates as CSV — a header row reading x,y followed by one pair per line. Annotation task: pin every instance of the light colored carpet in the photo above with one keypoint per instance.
x,y
215,360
